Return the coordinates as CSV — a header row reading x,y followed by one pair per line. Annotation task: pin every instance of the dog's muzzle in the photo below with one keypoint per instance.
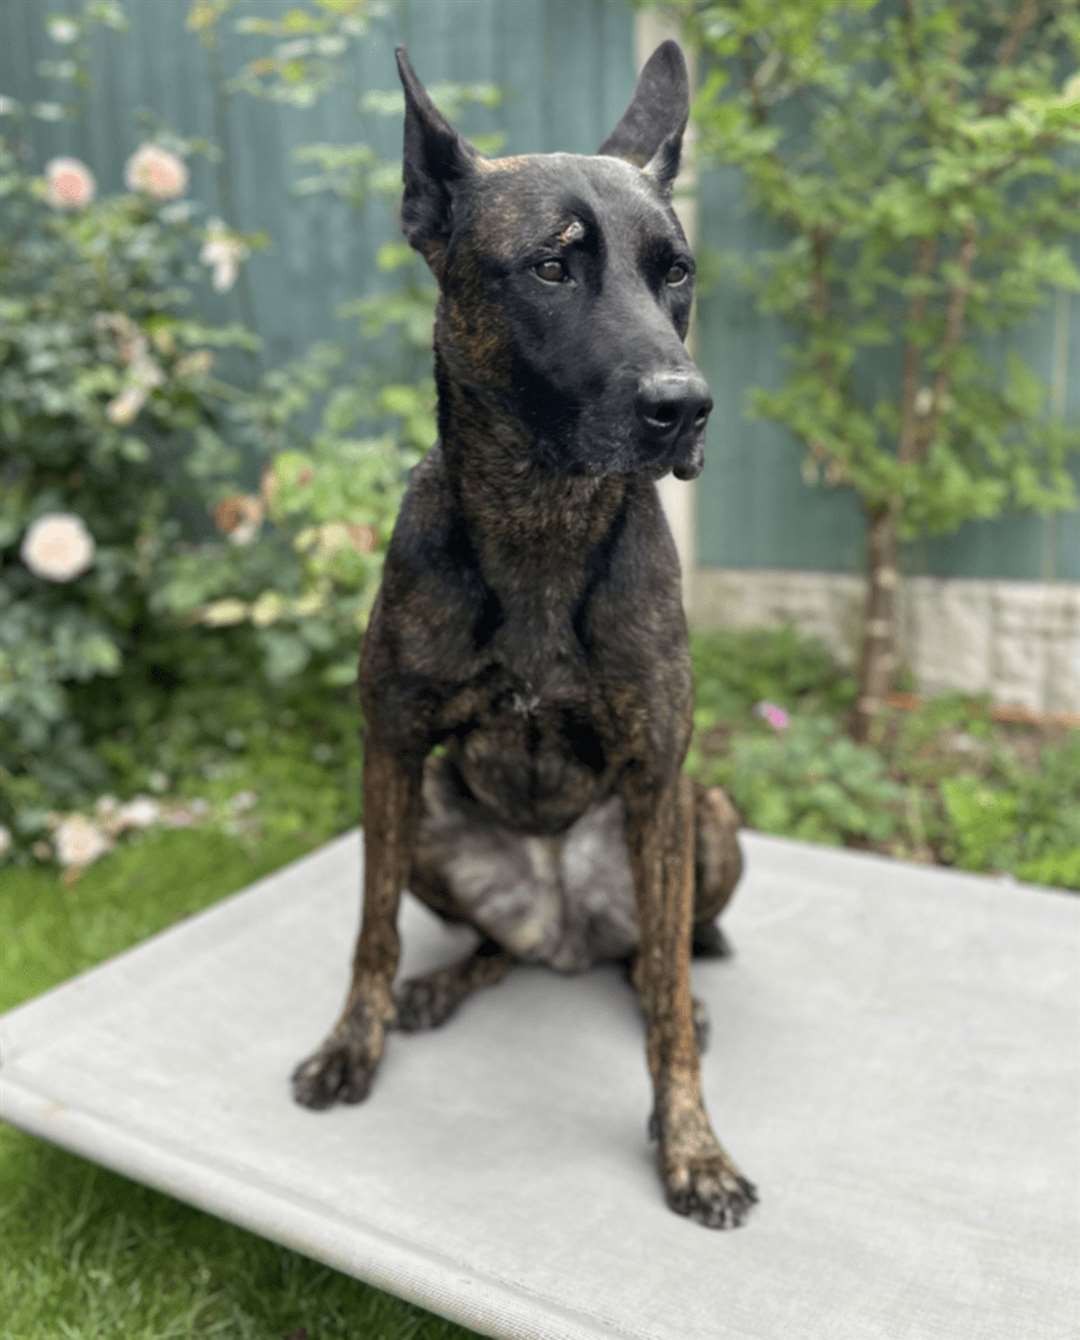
x,y
691,460
673,409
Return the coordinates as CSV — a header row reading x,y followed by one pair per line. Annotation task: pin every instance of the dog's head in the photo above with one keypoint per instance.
x,y
566,281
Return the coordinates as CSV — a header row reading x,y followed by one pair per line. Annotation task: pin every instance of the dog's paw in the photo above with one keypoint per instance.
x,y
342,1069
709,1189
425,1002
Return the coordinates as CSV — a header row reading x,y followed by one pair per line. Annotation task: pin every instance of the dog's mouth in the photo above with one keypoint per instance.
x,y
600,444
689,460
684,458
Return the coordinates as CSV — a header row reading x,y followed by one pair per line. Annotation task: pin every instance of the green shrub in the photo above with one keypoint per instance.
x,y
307,550
812,782
982,821
1027,823
109,446
736,669
928,744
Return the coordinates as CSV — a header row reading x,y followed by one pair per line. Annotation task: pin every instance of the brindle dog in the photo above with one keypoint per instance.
x,y
525,676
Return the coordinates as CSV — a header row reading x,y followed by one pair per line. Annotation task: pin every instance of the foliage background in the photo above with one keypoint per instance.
x,y
210,676
756,509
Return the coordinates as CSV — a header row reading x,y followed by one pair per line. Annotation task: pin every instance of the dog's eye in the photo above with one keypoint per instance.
x,y
677,274
551,272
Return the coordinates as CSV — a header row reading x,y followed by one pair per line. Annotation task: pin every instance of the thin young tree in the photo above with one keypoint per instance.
x,y
921,158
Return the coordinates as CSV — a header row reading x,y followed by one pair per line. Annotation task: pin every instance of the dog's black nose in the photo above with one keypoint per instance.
x,y
670,404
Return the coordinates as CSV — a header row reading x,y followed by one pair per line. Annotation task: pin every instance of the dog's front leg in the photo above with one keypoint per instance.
x,y
345,1064
699,1178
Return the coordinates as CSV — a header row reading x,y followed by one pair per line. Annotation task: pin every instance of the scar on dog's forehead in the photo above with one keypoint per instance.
x,y
562,199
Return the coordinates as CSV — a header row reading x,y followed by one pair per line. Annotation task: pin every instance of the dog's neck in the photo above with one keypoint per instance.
x,y
510,499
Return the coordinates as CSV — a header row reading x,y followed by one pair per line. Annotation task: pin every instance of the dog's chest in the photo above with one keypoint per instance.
x,y
531,743
534,759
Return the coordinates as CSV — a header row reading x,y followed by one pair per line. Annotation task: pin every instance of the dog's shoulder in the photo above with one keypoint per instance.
x,y
432,591
430,544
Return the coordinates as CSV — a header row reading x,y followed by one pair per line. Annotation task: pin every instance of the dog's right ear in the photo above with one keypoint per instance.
x,y
436,158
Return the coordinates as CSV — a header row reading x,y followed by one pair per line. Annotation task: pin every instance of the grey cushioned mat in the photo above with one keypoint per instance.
x,y
894,1060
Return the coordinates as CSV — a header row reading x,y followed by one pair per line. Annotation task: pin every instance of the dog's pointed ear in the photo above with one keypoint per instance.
x,y
651,130
435,159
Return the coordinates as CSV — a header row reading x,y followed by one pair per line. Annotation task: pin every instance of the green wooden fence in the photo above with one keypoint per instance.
x,y
566,69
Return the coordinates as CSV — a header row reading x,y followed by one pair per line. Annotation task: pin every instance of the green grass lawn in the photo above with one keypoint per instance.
x,y
85,1253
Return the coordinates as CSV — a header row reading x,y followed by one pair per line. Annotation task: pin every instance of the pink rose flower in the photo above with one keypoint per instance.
x,y
70,184
156,172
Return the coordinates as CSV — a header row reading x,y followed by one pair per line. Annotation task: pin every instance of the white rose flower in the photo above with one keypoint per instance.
x,y
122,409
141,812
105,810
5,841
78,842
146,373
58,547
63,30
223,253
156,172
223,613
69,183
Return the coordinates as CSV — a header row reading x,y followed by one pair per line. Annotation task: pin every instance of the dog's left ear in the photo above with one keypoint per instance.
x,y
435,159
651,130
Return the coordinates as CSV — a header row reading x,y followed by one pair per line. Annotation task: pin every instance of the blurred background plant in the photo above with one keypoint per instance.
x,y
193,513
111,417
169,517
919,164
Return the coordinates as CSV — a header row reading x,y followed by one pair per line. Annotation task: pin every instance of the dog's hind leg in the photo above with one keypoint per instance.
x,y
429,1000
718,866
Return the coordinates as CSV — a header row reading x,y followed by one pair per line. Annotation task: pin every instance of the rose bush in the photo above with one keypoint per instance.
x,y
160,523
165,522
112,449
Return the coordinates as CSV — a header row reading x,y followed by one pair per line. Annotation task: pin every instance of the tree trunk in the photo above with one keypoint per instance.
x,y
877,663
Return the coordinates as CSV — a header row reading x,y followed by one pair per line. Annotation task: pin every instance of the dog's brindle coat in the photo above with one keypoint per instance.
x,y
530,619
